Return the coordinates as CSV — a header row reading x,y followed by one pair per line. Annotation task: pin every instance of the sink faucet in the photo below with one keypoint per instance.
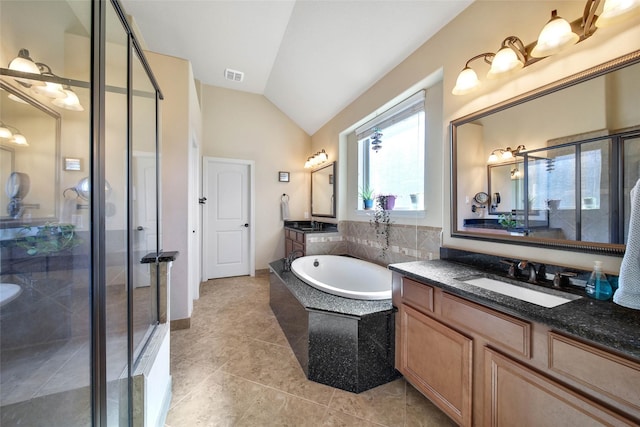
x,y
512,273
290,258
533,274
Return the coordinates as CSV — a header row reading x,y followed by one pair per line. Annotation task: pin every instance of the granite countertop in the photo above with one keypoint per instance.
x,y
314,299
601,322
308,227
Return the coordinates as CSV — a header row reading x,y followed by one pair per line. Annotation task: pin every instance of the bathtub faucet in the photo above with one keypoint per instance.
x,y
289,259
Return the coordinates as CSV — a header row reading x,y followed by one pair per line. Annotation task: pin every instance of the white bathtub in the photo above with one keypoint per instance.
x,y
344,276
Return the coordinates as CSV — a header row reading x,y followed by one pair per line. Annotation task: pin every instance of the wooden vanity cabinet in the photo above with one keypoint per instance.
x,y
293,241
486,368
516,395
437,360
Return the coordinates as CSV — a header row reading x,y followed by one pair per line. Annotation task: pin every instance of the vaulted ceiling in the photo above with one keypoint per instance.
x,y
310,58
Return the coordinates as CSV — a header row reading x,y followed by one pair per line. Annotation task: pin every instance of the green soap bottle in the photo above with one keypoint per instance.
x,y
598,286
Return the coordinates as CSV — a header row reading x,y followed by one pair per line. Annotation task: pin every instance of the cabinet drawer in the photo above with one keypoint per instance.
x,y
502,331
596,369
417,295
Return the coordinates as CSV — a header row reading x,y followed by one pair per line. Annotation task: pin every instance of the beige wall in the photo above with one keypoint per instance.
x,y
175,77
247,126
481,28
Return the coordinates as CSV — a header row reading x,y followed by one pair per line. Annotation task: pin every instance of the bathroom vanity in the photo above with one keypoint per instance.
x,y
296,232
489,359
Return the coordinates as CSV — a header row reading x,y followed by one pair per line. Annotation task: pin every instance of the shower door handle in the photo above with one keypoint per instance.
x,y
140,228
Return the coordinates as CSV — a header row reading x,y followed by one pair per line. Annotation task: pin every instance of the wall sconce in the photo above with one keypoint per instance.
x,y
14,136
556,36
63,97
317,159
500,154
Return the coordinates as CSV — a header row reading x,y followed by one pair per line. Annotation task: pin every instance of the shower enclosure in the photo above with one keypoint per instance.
x,y
79,209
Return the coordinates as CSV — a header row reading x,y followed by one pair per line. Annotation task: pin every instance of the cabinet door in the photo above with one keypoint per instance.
x,y
437,360
288,247
518,396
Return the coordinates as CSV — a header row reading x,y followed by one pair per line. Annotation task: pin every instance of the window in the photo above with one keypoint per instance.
x,y
391,154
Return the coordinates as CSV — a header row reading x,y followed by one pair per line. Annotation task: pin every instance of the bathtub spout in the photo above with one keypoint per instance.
x,y
289,259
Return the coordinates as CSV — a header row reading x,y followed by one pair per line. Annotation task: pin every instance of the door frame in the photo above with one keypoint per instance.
x,y
252,219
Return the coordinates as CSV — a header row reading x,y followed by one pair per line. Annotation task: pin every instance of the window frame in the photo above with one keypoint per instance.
x,y
403,110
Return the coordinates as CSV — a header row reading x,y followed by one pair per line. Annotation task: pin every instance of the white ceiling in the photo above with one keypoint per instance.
x,y
311,58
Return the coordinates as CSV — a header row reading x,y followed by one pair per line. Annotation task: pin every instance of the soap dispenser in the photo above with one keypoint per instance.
x,y
598,286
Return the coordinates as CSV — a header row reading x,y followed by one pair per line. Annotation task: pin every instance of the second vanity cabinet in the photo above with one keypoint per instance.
x,y
293,241
486,368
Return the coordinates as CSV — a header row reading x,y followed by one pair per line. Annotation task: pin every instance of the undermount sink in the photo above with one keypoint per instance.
x,y
543,299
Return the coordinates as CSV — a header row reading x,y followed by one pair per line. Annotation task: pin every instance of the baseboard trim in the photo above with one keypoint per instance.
x,y
180,324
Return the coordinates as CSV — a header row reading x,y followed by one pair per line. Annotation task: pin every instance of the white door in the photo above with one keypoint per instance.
x,y
144,215
227,188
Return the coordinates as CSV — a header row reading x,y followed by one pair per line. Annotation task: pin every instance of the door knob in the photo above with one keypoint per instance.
x,y
246,225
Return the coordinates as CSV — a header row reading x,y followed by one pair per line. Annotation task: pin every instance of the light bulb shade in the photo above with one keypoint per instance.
x,y
5,132
507,154
25,64
505,62
19,139
492,158
322,156
69,102
50,90
615,11
467,81
554,37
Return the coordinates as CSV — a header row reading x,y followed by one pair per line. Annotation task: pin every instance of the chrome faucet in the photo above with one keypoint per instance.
x,y
290,258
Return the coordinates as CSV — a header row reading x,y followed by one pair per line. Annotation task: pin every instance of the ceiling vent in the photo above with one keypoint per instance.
x,y
233,75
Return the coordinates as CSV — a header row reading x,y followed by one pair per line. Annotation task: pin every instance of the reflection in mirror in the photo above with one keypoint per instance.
x,y
506,187
570,186
323,185
37,163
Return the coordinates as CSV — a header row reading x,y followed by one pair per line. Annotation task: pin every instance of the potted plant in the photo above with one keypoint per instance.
x,y
48,238
388,201
367,197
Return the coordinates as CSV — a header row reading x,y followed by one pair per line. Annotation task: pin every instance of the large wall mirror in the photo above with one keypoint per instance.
x,y
323,191
574,156
29,179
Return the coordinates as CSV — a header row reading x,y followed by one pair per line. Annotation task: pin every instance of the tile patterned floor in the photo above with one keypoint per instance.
x,y
234,367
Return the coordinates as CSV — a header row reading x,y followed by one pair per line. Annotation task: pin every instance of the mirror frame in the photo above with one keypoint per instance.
x,y
333,203
588,74
58,163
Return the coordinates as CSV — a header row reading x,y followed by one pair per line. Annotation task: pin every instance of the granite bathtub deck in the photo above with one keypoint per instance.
x,y
344,343
314,299
601,322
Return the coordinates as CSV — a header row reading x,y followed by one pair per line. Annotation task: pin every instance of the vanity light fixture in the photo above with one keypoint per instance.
x,y
557,35
510,58
467,80
615,11
12,134
501,154
317,159
25,64
50,89
61,96
70,101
